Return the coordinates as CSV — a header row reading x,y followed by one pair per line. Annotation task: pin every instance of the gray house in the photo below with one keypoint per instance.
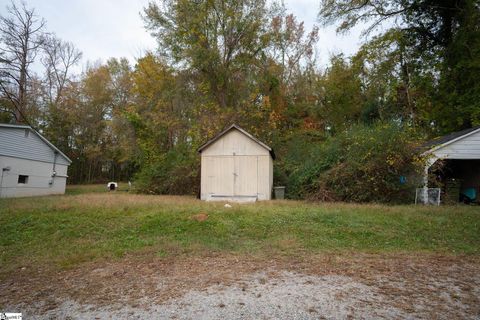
x,y
30,164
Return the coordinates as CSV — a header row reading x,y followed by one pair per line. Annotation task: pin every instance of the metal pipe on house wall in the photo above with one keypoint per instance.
x,y
54,173
1,179
1,182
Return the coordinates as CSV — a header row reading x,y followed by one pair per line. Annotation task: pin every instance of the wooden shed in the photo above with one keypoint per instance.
x,y
236,166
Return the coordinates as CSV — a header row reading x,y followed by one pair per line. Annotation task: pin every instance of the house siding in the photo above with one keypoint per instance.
x,y
39,177
14,143
465,148
24,152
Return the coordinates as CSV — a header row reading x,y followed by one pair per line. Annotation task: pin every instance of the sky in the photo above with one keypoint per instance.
x,y
102,29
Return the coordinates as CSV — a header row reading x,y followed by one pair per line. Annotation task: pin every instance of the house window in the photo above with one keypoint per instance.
x,y
22,179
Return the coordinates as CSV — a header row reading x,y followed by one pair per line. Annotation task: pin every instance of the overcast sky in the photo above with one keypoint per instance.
x,y
113,28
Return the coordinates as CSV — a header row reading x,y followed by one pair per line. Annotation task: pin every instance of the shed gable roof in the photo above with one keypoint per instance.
x,y
48,143
228,129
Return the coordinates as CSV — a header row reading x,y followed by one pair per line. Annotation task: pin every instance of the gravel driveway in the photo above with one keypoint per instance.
x,y
221,289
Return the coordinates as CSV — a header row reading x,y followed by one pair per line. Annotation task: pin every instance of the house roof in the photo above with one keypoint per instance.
x,y
234,126
18,126
440,142
449,138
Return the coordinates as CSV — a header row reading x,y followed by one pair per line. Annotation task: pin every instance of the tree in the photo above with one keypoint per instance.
x,y
458,103
59,57
397,86
159,116
446,38
341,97
21,37
121,134
290,44
431,22
220,40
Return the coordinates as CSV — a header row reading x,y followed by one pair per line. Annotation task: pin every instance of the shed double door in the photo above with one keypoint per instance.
x,y
233,176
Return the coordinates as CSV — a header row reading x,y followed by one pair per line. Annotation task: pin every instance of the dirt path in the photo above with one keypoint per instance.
x,y
243,287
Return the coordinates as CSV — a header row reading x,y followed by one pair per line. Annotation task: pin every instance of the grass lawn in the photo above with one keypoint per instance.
x,y
93,188
89,223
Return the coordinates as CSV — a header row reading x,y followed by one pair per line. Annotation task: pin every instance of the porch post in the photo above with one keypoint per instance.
x,y
425,184
428,164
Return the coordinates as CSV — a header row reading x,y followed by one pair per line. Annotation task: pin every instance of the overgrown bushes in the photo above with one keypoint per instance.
x,y
175,172
364,164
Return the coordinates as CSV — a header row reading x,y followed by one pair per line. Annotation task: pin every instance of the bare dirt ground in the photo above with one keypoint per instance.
x,y
244,287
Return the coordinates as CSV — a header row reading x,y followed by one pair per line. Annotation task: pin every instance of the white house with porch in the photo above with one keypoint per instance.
x,y
461,153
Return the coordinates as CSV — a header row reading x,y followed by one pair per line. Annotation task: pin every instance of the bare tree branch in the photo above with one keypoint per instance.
x,y
20,39
59,57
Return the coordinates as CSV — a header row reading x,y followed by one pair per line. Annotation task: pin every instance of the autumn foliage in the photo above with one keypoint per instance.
x,y
345,130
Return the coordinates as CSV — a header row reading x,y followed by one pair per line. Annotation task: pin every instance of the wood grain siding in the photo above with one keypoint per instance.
x,y
236,167
15,143
219,175
235,143
465,148
245,175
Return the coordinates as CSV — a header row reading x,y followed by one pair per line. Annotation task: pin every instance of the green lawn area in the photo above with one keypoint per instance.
x,y
90,223
93,188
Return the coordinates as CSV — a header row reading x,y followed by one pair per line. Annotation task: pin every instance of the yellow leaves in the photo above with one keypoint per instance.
x,y
390,160
150,73
274,119
204,88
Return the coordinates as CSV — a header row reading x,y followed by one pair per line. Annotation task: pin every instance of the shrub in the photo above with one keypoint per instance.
x,y
364,164
176,172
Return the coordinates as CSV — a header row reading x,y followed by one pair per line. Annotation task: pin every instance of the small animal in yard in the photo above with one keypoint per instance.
x,y
227,205
200,217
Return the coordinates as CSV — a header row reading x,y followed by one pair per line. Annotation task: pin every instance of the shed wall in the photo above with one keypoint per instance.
x,y
235,167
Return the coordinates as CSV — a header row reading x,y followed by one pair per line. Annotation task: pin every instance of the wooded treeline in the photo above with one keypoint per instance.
x,y
343,131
